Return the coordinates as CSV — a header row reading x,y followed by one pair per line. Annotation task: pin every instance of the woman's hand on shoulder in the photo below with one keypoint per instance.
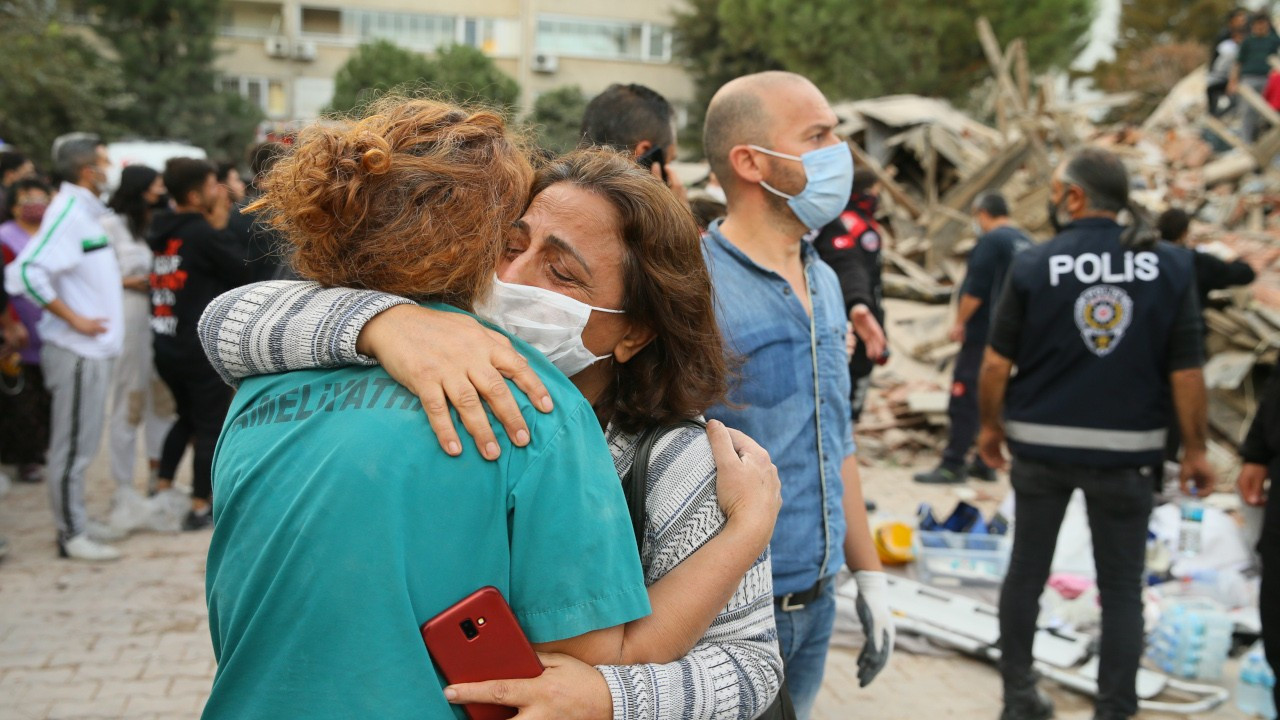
x,y
747,484
450,359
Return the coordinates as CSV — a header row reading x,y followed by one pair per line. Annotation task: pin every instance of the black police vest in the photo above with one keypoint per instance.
x,y
1092,382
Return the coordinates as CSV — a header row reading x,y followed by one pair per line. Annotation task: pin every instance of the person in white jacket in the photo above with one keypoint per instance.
x,y
139,399
70,271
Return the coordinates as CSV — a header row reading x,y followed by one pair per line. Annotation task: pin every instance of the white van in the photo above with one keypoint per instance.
x,y
153,154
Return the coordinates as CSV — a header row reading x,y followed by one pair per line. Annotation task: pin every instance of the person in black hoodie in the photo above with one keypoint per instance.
x,y
195,261
1261,455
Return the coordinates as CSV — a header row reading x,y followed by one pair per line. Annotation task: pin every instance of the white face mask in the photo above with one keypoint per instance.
x,y
547,320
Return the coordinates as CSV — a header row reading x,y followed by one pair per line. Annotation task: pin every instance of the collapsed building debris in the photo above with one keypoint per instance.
x,y
933,160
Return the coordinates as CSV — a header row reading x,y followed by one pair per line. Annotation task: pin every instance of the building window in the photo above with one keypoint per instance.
x,y
263,92
603,39
412,30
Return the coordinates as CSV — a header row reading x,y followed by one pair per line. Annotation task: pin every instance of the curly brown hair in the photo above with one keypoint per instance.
x,y
412,199
666,288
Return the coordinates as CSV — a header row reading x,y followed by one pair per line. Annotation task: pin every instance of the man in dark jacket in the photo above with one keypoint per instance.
x,y
1103,326
998,242
196,260
850,244
1261,455
1212,272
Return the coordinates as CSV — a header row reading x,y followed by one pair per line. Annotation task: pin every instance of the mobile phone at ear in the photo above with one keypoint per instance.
x,y
478,639
653,155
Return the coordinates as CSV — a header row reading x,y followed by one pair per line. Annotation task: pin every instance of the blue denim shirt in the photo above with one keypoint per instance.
x,y
804,423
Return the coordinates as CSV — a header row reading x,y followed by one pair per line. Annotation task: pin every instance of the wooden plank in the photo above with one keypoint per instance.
x,y
1022,70
908,268
991,47
1221,130
886,180
944,230
1255,101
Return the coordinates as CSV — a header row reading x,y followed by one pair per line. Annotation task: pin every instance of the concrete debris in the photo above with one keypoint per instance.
x,y
932,160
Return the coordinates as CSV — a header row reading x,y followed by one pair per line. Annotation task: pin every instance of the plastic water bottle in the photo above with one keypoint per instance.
x,y
1254,696
1192,525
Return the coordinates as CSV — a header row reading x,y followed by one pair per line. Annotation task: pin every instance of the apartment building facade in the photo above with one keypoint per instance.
x,y
283,54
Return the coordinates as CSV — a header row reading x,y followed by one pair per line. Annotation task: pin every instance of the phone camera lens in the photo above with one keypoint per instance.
x,y
469,629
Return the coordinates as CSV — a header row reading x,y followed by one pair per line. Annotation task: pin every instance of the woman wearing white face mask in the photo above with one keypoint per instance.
x,y
604,275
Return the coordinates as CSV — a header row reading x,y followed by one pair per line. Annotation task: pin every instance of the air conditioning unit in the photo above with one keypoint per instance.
x,y
277,46
545,64
304,50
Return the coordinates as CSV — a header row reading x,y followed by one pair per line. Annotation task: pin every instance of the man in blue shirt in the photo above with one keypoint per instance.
x,y
770,140
998,242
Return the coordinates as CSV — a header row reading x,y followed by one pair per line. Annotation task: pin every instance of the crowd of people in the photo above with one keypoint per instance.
x,y
93,277
657,463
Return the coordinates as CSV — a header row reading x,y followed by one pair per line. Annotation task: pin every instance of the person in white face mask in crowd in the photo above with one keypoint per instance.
x,y
601,275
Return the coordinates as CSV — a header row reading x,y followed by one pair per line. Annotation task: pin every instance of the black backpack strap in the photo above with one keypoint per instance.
x,y
635,484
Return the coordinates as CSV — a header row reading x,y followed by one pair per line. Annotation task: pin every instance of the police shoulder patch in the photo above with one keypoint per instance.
x,y
1103,314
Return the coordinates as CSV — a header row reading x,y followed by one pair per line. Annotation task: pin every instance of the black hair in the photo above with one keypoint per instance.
x,y
1173,224
185,175
1102,177
262,156
623,116
863,179
1260,17
128,201
224,171
1235,13
992,202
20,186
11,160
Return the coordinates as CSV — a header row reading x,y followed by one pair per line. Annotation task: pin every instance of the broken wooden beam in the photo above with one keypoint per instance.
x,y
886,181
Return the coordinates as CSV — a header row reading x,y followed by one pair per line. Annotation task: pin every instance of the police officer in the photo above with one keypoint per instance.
x,y
850,244
998,241
1102,323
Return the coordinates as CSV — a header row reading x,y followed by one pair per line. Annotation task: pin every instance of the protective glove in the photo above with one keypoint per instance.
x,y
877,624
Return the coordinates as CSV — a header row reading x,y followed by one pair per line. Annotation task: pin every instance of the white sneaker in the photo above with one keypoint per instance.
x,y
81,547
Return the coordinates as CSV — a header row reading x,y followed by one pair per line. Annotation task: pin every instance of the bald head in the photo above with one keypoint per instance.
x,y
745,111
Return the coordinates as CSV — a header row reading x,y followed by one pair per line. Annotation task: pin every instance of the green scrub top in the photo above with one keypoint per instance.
x,y
340,526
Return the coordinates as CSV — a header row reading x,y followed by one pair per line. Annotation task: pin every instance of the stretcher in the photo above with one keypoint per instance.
x,y
1066,658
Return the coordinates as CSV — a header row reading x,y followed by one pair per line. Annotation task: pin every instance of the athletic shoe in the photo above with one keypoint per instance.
x,y
942,475
198,520
1030,704
979,471
81,547
31,473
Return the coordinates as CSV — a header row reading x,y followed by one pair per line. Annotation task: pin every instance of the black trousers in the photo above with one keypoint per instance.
x,y
202,401
963,406
1119,502
1213,95
1269,601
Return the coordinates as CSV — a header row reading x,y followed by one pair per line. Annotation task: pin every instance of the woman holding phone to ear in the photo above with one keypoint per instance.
x,y
599,235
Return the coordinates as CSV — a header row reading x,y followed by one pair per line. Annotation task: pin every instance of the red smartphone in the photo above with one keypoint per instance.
x,y
478,639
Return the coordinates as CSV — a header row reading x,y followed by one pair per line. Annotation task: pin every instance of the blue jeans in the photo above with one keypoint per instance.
x,y
803,637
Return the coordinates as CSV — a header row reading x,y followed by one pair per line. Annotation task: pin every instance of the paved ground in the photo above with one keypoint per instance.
x,y
129,640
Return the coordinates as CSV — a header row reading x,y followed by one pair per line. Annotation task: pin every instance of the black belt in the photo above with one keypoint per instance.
x,y
797,600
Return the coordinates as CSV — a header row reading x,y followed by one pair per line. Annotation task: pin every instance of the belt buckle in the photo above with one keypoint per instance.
x,y
787,606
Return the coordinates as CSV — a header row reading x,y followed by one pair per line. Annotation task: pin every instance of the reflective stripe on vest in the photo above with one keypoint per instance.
x,y
1062,436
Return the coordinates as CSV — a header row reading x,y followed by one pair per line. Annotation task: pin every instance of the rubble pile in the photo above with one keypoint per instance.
x,y
933,160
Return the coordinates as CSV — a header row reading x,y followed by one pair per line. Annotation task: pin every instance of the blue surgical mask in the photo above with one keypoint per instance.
x,y
828,175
